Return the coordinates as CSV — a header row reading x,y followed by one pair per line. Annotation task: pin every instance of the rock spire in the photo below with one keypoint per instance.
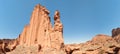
x,y
40,31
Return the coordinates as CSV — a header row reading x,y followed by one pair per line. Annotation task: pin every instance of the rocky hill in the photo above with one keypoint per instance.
x,y
100,44
40,37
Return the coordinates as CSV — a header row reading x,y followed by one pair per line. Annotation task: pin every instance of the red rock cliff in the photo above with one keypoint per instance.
x,y
40,31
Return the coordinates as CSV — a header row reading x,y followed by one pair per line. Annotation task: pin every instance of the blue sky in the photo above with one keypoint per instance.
x,y
82,19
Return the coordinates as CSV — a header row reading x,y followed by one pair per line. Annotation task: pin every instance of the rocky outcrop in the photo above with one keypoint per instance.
x,y
40,30
100,44
7,45
117,38
101,38
40,37
115,32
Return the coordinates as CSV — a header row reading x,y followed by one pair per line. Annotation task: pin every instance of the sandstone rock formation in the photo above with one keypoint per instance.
x,y
40,33
115,32
40,37
40,30
101,38
100,44
7,45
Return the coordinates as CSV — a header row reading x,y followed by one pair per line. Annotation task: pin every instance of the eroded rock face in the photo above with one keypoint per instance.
x,y
40,31
40,34
7,45
115,32
117,38
40,37
100,44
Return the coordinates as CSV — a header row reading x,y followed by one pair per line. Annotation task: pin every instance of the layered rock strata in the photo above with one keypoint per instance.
x,y
40,31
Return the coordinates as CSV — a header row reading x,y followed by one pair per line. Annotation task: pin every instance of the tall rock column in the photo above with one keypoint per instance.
x,y
34,24
40,31
57,41
44,27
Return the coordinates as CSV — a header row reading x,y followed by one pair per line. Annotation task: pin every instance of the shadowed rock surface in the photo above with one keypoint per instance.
x,y
115,32
40,37
7,45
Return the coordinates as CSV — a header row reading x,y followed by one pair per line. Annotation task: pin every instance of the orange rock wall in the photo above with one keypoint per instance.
x,y
40,31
